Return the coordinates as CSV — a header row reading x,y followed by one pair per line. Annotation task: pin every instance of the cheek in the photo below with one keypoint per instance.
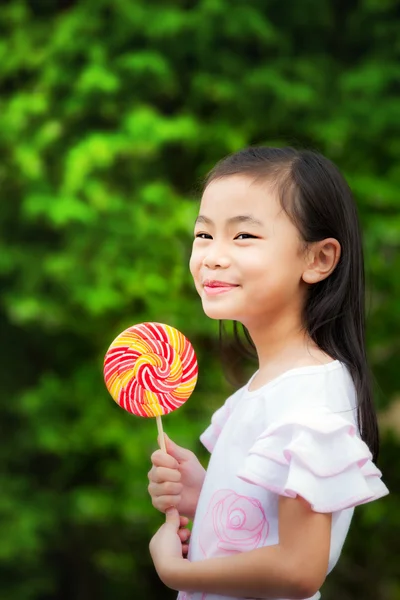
x,y
256,266
194,263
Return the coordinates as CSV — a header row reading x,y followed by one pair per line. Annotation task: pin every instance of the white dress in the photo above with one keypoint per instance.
x,y
295,435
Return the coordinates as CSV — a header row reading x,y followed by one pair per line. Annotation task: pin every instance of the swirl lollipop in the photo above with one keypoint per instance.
x,y
150,370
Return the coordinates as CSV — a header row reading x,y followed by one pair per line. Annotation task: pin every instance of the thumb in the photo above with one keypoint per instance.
x,y
172,518
176,451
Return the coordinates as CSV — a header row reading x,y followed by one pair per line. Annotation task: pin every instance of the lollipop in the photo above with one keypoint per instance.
x,y
150,370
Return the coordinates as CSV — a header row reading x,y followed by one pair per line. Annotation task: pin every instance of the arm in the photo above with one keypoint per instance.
x,y
294,568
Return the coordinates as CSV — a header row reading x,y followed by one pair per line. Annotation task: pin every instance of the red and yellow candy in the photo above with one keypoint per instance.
x,y
150,369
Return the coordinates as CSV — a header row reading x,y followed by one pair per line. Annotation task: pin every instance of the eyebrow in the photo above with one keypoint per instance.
x,y
238,219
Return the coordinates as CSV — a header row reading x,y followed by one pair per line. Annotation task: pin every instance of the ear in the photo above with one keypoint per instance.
x,y
321,260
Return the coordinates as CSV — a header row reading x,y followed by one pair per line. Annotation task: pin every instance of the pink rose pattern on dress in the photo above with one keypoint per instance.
x,y
233,523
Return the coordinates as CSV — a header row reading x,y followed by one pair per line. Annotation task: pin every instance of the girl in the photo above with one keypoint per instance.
x,y
277,248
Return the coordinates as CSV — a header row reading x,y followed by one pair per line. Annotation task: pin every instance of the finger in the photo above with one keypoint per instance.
x,y
165,502
165,489
184,521
172,518
185,549
162,474
161,459
181,454
184,534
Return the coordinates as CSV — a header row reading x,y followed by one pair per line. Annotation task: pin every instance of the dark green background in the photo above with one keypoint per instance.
x,y
110,114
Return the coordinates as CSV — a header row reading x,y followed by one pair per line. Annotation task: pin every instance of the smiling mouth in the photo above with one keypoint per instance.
x,y
213,288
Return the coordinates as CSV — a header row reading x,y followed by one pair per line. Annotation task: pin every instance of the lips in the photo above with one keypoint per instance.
x,y
218,284
215,288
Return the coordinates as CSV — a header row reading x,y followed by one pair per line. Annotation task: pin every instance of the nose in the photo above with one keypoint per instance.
x,y
216,257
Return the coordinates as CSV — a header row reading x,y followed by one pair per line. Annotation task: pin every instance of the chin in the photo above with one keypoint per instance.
x,y
219,312
216,315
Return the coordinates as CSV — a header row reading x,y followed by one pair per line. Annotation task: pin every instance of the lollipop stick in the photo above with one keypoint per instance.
x,y
161,433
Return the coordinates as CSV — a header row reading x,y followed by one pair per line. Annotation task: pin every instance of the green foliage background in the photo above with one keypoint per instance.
x,y
111,111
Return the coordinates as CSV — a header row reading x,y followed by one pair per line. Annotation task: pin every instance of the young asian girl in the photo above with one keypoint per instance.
x,y
277,249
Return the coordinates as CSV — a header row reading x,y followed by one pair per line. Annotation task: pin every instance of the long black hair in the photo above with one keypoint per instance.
x,y
317,198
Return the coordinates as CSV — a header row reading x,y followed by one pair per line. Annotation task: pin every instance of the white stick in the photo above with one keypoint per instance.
x,y
161,433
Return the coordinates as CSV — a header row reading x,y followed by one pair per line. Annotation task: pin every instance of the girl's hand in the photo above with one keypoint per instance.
x,y
176,479
166,549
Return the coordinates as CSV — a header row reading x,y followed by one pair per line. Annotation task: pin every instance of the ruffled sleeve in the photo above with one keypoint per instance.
x,y
211,434
317,456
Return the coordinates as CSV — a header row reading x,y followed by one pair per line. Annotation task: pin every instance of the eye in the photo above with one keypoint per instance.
x,y
245,236
203,236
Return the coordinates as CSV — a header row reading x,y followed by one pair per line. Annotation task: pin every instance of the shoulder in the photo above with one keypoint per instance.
x,y
327,386
230,403
219,419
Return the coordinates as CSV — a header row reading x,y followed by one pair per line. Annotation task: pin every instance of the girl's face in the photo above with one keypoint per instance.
x,y
247,259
